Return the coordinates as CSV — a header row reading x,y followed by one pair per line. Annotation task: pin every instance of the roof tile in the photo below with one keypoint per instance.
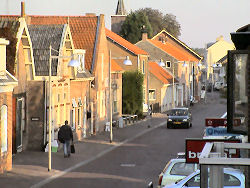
x,y
160,73
126,44
83,30
173,51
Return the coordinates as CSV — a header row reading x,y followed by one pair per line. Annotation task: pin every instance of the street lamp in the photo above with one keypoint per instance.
x,y
72,63
126,62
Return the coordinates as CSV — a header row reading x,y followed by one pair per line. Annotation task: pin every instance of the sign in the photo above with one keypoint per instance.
x,y
194,148
35,118
217,122
218,131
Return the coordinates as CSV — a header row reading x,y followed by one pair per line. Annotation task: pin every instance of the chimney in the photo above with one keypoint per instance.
x,y
219,38
22,9
144,36
90,14
3,44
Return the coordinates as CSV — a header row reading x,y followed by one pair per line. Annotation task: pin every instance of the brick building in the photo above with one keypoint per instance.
x,y
8,82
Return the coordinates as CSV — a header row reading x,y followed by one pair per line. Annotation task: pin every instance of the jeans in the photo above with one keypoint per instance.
x,y
66,147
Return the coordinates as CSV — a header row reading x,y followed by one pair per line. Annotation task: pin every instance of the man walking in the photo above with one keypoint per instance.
x,y
64,136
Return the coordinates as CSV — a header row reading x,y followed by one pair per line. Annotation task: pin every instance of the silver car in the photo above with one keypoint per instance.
x,y
233,178
176,169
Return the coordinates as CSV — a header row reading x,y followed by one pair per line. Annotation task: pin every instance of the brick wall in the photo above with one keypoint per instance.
x,y
6,158
80,89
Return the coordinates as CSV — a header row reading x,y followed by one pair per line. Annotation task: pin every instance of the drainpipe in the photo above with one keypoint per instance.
x,y
45,110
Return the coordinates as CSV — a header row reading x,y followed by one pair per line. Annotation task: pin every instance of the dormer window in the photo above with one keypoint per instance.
x,y
168,64
80,54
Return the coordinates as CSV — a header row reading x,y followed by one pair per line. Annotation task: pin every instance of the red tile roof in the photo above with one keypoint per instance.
x,y
124,43
115,67
179,42
173,51
163,75
83,30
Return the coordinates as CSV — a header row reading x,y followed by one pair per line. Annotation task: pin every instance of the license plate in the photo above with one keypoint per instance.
x,y
177,122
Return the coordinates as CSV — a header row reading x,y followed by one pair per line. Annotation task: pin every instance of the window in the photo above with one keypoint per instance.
x,y
168,64
194,181
58,97
182,169
4,135
79,118
115,101
152,95
230,180
143,67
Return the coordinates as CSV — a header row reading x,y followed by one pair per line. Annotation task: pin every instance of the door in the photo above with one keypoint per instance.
x,y
20,120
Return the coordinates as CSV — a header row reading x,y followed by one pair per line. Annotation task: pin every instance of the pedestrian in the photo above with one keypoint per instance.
x,y
64,136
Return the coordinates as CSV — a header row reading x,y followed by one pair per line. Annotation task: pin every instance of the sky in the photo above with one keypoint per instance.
x,y
202,21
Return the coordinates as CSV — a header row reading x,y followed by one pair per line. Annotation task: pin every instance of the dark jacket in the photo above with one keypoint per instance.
x,y
65,133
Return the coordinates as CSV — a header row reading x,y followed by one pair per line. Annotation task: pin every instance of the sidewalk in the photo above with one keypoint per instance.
x,y
30,168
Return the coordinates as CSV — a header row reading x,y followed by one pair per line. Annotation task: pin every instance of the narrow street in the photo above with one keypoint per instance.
x,y
136,157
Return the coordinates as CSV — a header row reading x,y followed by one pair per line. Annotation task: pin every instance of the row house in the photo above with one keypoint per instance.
x,y
121,48
7,84
88,33
160,88
49,41
184,53
179,60
215,51
116,90
80,95
20,64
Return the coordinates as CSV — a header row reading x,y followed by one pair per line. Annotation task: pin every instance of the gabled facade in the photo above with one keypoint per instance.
x,y
121,48
214,52
160,88
164,47
58,37
20,63
7,84
88,33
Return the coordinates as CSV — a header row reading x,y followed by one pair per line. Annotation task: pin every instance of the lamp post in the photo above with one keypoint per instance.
x,y
126,62
72,63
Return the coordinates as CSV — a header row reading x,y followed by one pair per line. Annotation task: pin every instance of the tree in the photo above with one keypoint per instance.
x,y
132,93
159,21
134,25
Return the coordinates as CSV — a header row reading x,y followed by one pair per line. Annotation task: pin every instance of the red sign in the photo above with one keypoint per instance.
x,y
194,148
216,122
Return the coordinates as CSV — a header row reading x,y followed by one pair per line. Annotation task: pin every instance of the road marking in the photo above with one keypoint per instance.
x,y
59,174
127,165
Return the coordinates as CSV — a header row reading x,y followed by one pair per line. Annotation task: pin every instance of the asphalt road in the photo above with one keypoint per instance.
x,y
140,160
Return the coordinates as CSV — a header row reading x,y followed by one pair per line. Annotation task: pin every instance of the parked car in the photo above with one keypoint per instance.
x,y
233,178
179,117
175,169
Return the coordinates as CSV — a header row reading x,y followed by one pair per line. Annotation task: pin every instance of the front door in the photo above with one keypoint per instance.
x,y
20,120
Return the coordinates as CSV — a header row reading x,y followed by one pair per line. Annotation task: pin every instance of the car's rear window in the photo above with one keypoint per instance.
x,y
182,168
178,112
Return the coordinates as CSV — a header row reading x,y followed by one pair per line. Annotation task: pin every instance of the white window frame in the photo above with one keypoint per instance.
x,y
152,92
4,128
